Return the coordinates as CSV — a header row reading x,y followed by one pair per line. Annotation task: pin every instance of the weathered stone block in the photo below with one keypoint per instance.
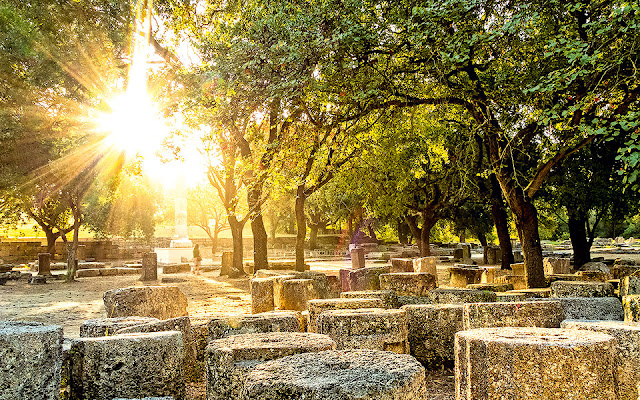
x,y
594,276
261,295
296,293
231,359
389,297
345,282
408,283
519,282
366,328
277,287
627,352
460,296
176,268
511,296
181,324
536,293
554,265
87,273
30,361
131,365
226,263
318,306
542,314
461,276
492,287
426,265
366,278
149,270
108,271
590,308
581,289
162,302
629,285
631,304
432,330
109,326
357,258
221,326
399,265
534,364
338,375
518,269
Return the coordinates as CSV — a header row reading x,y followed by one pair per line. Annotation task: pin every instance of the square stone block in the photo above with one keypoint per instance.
x,y
408,284
547,314
581,289
162,302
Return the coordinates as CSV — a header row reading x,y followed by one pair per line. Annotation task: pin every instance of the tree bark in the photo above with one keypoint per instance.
x,y
301,225
73,251
578,234
51,241
501,223
526,217
258,230
415,231
403,237
236,234
313,236
425,237
482,238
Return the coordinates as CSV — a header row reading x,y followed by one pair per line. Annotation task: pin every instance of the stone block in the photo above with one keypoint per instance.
x,y
432,329
318,306
554,265
108,271
296,293
30,361
227,263
231,359
127,271
109,326
277,287
408,283
149,270
4,277
541,314
488,275
629,285
461,276
176,268
519,282
224,325
631,305
536,293
366,328
399,265
627,352
261,295
357,258
345,283
518,269
534,364
389,297
426,265
87,273
594,276
38,279
581,289
44,264
366,278
492,287
338,375
458,254
181,324
130,365
460,296
511,296
162,302
591,308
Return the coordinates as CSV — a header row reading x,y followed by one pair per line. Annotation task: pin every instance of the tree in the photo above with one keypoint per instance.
x,y
204,207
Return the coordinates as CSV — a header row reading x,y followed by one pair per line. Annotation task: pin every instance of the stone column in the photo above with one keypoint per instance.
x,y
357,258
44,264
227,262
149,267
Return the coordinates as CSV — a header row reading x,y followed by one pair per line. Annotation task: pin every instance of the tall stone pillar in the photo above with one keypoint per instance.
x,y
149,267
44,264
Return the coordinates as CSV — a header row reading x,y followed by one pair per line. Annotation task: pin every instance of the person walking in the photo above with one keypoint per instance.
x,y
196,259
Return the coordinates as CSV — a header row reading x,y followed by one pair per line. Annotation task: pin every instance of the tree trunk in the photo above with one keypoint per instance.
x,y
415,232
236,234
301,225
260,238
526,217
403,237
578,233
501,223
214,240
425,237
73,251
51,241
313,236
482,238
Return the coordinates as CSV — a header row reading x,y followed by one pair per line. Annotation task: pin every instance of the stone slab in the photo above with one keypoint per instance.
x,y
224,325
162,302
408,284
389,297
542,314
109,326
581,289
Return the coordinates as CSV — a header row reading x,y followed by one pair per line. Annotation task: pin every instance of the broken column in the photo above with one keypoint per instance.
x,y
44,264
30,360
534,363
357,258
547,314
318,306
261,295
149,267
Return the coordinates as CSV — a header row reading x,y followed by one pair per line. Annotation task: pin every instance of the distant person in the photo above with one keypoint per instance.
x,y
196,259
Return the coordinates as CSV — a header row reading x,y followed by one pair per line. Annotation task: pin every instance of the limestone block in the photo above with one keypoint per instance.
x,y
461,276
149,270
460,296
261,295
130,365
108,326
466,250
30,361
518,269
554,265
231,359
458,254
627,352
488,275
534,364
590,308
366,278
541,314
108,271
88,273
389,297
162,302
224,325
432,329
277,287
518,282
492,287
296,293
621,269
594,276
366,328
629,285
127,271
338,375
357,258
581,289
631,304
408,283
426,265
149,398
536,293
176,268
4,277
399,265
318,306
181,324
38,279
345,283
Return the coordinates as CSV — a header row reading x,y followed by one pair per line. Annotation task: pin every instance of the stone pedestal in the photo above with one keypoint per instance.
x,y
345,283
227,263
261,295
534,364
318,306
30,361
230,360
458,254
44,264
372,328
357,258
463,275
547,314
338,375
149,267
